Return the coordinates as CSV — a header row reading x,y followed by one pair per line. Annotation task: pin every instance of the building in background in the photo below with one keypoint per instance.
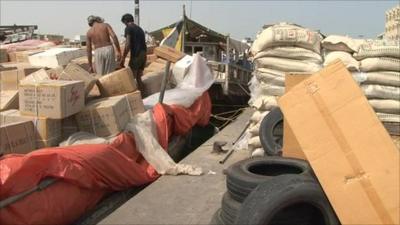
x,y
392,25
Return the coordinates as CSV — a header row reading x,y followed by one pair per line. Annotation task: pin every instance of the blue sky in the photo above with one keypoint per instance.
x,y
238,18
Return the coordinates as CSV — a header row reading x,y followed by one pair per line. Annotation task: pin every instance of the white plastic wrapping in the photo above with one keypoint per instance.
x,y
196,82
143,128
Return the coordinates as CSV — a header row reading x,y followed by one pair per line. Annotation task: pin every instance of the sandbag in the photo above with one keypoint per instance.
x,y
255,142
386,117
284,34
381,92
258,116
389,78
287,65
383,63
290,53
378,48
266,103
255,130
385,105
270,78
340,43
272,90
348,60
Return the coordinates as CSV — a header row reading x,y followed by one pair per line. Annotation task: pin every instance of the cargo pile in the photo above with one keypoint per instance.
x,y
380,78
279,49
375,65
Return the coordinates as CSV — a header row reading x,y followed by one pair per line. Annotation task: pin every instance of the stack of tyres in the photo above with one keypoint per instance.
x,y
244,176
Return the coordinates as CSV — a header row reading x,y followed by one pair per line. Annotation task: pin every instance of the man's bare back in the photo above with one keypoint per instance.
x,y
99,35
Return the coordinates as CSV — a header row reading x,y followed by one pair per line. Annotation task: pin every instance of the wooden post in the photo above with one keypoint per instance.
x,y
164,82
137,16
227,71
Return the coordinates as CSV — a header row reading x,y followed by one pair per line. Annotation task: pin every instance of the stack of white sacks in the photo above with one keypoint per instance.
x,y
379,77
277,50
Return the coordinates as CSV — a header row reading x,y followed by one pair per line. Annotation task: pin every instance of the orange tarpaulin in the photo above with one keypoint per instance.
x,y
87,172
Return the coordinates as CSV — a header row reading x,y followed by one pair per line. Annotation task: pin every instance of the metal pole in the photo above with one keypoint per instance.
x,y
164,82
137,16
226,84
183,30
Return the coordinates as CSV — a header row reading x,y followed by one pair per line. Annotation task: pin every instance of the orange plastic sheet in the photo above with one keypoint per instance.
x,y
87,172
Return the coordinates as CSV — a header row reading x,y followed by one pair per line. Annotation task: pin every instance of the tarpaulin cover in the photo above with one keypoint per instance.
x,y
86,172
27,45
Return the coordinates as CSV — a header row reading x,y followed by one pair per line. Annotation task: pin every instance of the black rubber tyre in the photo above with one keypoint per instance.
x,y
271,133
216,219
243,176
287,200
229,209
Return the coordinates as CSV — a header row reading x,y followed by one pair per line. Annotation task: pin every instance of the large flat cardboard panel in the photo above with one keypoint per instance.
x,y
104,117
47,131
17,138
348,148
55,99
291,147
117,83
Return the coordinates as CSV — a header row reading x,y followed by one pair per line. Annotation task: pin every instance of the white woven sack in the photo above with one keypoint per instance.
x,y
272,77
286,65
258,116
291,53
378,48
377,64
385,105
265,103
348,60
284,34
389,78
385,117
382,92
271,90
340,43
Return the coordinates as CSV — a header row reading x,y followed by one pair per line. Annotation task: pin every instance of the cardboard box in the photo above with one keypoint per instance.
x,y
69,126
8,99
17,138
135,103
24,68
291,147
75,72
350,151
3,55
82,62
9,79
104,117
40,75
23,56
151,58
55,99
170,54
47,131
117,83
55,57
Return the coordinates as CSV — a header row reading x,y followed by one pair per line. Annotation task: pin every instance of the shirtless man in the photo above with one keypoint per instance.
x,y
100,35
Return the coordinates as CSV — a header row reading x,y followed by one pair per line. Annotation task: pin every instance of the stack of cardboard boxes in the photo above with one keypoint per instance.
x,y
44,104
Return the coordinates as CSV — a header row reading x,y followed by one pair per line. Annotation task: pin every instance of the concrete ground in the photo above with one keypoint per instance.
x,y
185,199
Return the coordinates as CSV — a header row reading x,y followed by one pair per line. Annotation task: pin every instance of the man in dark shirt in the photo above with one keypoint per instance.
x,y
136,44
